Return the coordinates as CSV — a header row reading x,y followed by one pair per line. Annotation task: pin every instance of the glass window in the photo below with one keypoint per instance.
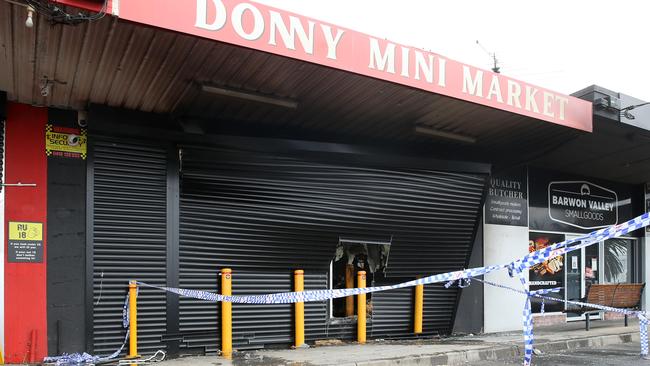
x,y
618,261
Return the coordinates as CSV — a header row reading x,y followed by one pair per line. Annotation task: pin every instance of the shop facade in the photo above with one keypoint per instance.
x,y
551,207
185,141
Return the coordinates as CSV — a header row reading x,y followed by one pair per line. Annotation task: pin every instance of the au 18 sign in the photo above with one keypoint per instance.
x,y
25,244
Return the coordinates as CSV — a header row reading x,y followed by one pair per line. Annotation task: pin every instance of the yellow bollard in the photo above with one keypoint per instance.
x,y
226,314
361,308
299,286
133,320
419,304
349,283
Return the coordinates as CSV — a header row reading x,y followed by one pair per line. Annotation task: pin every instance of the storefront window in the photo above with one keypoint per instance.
x,y
618,261
548,274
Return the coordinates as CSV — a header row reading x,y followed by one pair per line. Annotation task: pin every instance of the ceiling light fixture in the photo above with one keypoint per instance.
x,y
29,23
254,97
445,135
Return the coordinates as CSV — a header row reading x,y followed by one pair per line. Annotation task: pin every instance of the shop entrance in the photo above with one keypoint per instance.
x,y
582,270
611,261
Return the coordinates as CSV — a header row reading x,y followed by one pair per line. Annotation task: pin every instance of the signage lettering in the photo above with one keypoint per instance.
x,y
25,242
277,25
506,202
582,204
65,142
268,29
573,204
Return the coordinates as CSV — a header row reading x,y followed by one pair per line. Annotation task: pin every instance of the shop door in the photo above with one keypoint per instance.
x,y
582,270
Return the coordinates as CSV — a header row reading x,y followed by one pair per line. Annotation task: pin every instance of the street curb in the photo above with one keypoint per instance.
x,y
500,353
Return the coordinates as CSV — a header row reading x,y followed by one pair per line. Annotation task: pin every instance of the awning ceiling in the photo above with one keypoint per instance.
x,y
124,65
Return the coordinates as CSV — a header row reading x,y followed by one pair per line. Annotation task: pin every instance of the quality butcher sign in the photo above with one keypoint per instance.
x,y
582,204
268,29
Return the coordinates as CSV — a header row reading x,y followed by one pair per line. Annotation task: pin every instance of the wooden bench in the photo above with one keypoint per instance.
x,y
615,295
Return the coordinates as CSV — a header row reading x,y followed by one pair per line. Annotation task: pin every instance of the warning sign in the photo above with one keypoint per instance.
x,y
25,244
65,142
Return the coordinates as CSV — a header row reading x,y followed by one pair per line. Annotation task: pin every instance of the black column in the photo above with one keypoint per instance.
x,y
66,252
173,170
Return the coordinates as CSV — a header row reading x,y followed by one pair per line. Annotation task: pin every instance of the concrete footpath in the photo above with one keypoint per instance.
x,y
455,350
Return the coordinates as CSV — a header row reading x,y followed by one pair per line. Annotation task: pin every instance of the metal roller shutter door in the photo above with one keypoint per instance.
x,y
264,215
129,185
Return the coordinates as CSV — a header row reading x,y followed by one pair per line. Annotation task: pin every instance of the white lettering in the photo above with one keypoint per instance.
x,y
530,99
385,62
202,15
514,93
548,104
405,61
563,101
289,35
237,19
495,89
442,72
332,42
473,87
424,65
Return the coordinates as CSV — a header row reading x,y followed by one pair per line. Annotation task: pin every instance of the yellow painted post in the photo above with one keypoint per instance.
x,y
361,308
133,320
299,286
226,314
419,304
349,283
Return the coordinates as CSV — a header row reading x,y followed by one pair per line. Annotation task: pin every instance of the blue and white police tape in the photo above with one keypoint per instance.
x,y
566,246
321,295
516,267
528,324
85,358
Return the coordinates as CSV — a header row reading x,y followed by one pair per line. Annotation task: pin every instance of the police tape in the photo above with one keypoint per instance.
x,y
528,323
516,267
85,358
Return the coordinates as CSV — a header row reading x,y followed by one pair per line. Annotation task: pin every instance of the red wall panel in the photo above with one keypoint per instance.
x,y
25,283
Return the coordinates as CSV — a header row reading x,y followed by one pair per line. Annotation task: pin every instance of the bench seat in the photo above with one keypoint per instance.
x,y
615,295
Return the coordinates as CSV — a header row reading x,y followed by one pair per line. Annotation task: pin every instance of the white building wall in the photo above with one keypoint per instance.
x,y
503,308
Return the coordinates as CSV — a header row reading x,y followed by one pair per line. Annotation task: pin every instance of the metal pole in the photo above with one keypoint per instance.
x,y
299,286
133,320
361,308
226,314
419,304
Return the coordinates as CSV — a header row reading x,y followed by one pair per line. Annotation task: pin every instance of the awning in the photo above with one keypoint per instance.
x,y
262,28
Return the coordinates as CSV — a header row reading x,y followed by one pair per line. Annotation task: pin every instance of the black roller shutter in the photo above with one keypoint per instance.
x,y
392,313
264,215
128,185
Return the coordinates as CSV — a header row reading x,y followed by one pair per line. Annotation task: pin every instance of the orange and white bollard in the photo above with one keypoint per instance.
x,y
299,307
226,314
133,320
